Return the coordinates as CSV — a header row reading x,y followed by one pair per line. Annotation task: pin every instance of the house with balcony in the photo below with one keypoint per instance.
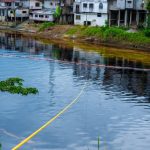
x,y
12,10
128,13
44,15
67,16
45,11
90,12
5,6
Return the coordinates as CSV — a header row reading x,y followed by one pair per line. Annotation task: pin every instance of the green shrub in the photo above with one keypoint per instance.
x,y
15,86
46,25
147,32
106,33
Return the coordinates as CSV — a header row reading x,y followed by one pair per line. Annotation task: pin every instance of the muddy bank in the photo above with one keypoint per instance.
x,y
59,34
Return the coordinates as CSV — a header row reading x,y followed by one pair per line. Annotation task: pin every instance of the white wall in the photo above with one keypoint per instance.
x,y
2,18
95,21
86,14
19,13
51,4
96,4
33,6
36,17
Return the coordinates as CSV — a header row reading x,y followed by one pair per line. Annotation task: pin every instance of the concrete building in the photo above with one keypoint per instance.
x,y
51,4
14,10
90,12
45,11
127,12
5,6
67,16
35,4
43,15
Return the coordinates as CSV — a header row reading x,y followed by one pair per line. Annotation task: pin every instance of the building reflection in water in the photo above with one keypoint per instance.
x,y
136,82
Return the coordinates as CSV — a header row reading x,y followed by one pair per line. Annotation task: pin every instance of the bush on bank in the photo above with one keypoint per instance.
x,y
111,34
46,25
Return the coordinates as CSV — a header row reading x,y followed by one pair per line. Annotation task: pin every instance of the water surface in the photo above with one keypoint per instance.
x,y
115,104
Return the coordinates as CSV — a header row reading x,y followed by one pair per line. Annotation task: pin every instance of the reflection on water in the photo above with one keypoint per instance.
x,y
115,106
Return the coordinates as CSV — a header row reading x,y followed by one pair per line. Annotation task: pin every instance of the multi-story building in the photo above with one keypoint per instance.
x,y
67,16
127,12
90,12
43,10
13,10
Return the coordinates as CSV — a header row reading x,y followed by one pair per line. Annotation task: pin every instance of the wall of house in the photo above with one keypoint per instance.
x,y
93,18
96,15
3,13
121,4
36,17
25,3
51,4
33,4
96,7
19,13
140,5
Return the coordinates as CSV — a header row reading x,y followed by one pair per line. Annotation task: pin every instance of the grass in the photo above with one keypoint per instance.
x,y
110,34
15,86
46,25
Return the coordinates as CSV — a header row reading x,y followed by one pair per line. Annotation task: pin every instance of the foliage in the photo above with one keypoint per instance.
x,y
57,13
148,5
72,31
15,86
46,25
111,34
98,142
147,32
148,21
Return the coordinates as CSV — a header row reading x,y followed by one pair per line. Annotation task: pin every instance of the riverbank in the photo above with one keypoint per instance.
x,y
114,37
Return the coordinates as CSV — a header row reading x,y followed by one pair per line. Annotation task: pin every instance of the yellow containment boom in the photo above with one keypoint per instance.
x,y
50,121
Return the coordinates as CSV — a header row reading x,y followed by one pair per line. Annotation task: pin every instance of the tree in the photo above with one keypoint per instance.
x,y
148,18
57,13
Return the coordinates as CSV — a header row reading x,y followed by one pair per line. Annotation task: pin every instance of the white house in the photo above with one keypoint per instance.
x,y
5,5
46,12
90,12
42,15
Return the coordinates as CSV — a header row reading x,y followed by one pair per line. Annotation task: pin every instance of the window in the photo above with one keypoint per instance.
x,y
129,2
91,6
51,4
99,15
41,16
77,8
84,5
24,12
36,16
3,13
78,17
16,4
37,4
46,16
101,6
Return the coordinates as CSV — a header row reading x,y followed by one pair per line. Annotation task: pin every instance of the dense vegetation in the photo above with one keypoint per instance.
x,y
111,34
15,86
46,25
